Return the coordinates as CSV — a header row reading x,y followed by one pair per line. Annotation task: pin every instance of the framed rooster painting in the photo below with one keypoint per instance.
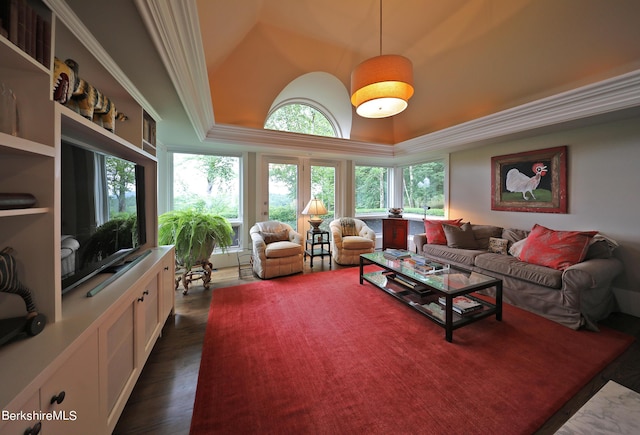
x,y
533,181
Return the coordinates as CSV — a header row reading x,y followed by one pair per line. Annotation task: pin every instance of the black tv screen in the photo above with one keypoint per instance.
x,y
102,217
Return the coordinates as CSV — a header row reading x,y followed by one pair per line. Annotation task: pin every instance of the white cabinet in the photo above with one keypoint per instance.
x,y
90,362
70,393
66,401
168,281
129,333
16,423
118,353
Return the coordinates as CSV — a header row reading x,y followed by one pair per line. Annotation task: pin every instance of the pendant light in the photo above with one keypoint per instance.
x,y
381,86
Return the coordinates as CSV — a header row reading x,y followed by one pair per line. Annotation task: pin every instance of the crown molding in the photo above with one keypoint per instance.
x,y
251,139
66,15
605,97
175,30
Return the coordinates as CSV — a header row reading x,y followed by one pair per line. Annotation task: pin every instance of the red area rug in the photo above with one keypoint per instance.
x,y
320,353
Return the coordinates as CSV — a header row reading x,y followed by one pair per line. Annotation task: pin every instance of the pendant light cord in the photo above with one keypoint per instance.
x,y
380,27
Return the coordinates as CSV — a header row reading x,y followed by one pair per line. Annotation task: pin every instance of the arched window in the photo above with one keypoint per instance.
x,y
314,103
300,118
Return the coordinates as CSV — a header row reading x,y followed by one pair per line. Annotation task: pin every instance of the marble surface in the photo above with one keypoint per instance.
x,y
614,409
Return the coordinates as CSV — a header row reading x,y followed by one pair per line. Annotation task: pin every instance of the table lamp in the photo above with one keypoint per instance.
x,y
315,208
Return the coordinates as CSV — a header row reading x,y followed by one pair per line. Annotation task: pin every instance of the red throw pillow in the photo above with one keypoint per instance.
x,y
434,231
556,249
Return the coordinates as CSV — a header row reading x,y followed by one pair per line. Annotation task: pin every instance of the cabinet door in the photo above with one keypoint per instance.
x,y
148,319
22,426
118,372
168,284
72,393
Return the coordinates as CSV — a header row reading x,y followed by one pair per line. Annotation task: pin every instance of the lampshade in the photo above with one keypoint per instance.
x,y
315,207
381,86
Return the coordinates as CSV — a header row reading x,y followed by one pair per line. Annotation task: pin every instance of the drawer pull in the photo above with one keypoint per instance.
x,y
59,398
35,430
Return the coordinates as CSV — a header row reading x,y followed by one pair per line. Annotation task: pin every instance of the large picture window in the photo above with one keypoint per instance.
x,y
372,190
210,184
422,187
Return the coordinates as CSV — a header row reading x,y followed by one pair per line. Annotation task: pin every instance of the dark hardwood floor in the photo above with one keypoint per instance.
x,y
162,401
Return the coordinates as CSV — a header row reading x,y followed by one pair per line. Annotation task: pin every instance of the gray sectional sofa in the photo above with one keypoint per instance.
x,y
576,297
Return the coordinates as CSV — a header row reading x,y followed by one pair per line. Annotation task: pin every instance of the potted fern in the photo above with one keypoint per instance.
x,y
194,235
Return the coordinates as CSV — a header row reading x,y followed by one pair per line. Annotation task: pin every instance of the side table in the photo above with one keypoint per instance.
x,y
315,245
395,232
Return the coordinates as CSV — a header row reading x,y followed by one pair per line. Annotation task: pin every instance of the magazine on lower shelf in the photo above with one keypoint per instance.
x,y
417,287
462,304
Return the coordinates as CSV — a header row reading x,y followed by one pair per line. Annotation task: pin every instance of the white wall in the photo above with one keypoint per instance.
x,y
603,191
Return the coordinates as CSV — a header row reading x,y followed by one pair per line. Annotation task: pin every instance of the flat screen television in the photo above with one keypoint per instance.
x,y
102,218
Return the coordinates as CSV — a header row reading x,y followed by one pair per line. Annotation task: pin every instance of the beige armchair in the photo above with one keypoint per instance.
x,y
277,249
350,238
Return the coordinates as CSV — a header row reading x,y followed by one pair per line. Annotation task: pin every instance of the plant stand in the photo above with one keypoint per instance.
x,y
200,272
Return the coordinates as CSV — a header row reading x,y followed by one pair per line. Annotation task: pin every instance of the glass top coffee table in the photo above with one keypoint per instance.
x,y
441,293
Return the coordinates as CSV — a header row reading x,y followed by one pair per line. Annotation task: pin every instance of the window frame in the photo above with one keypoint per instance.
x,y
337,131
237,224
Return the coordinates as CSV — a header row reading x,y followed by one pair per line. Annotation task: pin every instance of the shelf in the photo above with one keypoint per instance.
x,y
24,211
16,145
149,147
12,55
78,128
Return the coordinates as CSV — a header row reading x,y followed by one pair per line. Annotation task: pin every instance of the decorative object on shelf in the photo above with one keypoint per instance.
x,y
194,235
534,181
72,91
9,201
148,128
314,208
31,324
27,29
381,86
395,212
8,111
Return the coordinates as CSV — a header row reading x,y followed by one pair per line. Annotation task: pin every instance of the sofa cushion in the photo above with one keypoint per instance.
x,y
483,233
453,255
460,236
282,249
356,242
434,231
508,265
556,249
